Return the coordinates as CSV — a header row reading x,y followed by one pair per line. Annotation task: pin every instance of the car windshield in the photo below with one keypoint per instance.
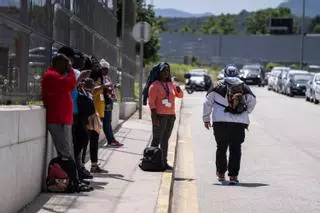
x,y
196,74
253,70
302,77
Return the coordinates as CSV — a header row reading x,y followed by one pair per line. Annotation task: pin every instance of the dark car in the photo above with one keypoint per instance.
x,y
296,82
198,81
252,75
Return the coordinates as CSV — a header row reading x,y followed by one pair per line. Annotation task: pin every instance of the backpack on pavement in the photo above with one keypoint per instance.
x,y
152,160
62,176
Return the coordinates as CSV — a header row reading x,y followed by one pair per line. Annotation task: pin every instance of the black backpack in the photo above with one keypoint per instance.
x,y
62,176
152,160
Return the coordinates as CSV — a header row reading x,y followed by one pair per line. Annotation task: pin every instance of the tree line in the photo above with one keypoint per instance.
x,y
256,23
243,23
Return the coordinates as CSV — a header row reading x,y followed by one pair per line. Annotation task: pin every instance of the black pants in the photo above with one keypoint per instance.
x,y
162,133
230,135
80,139
94,146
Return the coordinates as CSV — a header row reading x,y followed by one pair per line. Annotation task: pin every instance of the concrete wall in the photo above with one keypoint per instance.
x,y
22,148
212,48
127,109
24,155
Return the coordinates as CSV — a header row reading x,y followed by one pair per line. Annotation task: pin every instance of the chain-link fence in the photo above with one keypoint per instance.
x,y
31,31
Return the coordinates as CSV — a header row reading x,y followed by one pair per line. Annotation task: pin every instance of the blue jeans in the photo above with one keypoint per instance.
x,y
107,127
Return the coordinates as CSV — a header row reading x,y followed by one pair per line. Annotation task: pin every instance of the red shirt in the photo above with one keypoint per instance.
x,y
160,92
56,95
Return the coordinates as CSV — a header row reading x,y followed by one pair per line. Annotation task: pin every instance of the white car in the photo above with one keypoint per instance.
x,y
313,89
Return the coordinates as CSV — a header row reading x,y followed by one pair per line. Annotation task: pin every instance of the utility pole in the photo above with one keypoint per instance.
x,y
302,33
121,48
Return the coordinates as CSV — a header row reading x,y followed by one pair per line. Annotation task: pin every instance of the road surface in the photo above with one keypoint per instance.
x,y
280,171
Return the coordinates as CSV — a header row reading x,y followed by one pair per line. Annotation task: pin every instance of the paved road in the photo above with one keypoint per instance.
x,y
280,166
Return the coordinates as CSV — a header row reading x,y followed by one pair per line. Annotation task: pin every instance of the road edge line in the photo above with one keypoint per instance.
x,y
164,202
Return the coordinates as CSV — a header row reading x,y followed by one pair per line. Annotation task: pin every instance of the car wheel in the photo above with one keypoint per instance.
x,y
316,101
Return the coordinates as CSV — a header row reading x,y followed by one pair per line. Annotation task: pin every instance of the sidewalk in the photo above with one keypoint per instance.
x,y
126,188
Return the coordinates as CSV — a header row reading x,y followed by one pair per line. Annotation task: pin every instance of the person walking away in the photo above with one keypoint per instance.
x,y
162,94
75,59
230,101
110,97
57,83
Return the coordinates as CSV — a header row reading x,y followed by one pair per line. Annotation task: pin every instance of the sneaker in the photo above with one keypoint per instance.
x,y
221,177
95,169
83,175
233,180
115,144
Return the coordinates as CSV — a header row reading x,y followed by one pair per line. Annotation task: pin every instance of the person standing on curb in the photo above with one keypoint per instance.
x,y
162,94
110,97
57,84
69,52
99,104
230,101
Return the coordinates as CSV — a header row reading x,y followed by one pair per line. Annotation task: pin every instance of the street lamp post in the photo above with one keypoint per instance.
x,y
303,8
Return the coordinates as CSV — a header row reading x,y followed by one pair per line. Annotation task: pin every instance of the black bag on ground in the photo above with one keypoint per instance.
x,y
62,176
152,160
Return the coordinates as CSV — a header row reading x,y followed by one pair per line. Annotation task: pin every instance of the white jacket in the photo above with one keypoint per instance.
x,y
217,111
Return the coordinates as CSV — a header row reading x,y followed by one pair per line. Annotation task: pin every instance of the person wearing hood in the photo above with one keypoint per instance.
x,y
109,97
229,120
161,94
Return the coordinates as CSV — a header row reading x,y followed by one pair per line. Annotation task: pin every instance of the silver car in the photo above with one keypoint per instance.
x,y
313,89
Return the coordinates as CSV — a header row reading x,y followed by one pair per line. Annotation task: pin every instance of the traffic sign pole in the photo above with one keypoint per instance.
x,y
142,34
141,70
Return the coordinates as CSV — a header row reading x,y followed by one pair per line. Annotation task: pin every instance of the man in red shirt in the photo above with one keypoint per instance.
x,y
57,83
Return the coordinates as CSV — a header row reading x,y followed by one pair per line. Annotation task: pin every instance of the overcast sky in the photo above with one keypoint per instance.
x,y
215,6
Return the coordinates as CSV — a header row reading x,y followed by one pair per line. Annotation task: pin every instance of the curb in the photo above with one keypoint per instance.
x,y
163,204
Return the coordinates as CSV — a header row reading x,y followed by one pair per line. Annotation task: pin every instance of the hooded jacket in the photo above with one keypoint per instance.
x,y
217,96
152,78
56,95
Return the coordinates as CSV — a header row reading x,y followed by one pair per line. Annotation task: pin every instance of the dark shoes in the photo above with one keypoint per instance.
x,y
115,144
221,177
233,180
85,174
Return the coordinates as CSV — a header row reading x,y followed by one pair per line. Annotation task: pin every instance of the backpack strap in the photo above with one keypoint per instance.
x,y
216,102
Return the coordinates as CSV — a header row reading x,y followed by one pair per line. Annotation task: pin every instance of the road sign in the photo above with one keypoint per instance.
x,y
142,32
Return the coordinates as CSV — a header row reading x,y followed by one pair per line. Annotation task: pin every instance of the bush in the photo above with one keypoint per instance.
x,y
270,66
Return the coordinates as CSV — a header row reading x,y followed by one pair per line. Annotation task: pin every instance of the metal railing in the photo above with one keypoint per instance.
x,y
32,31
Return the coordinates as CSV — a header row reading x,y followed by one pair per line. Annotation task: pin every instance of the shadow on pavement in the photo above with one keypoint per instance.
x,y
246,185
114,176
122,151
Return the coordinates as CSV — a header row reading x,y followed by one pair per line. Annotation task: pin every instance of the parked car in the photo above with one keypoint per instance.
x,y
274,78
296,81
313,89
251,75
198,80
282,80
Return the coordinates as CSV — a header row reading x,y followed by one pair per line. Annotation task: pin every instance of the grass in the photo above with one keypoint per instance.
x,y
178,71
